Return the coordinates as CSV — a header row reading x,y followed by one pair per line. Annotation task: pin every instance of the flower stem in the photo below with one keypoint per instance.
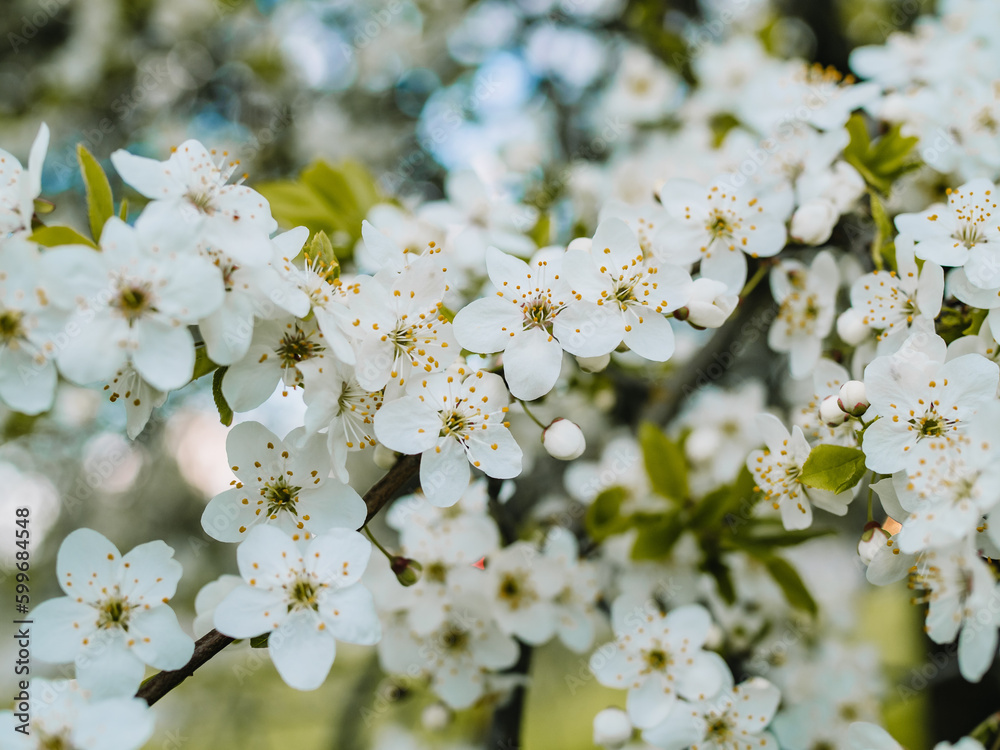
x,y
758,275
871,480
370,535
528,412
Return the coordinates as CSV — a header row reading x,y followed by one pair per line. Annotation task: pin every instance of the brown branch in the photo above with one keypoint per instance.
x,y
381,493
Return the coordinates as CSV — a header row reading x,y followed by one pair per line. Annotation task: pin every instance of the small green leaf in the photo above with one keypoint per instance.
x,y
976,318
43,206
655,538
259,641
202,363
883,162
55,236
323,256
541,233
756,540
332,199
603,517
100,204
833,467
123,210
225,411
733,498
665,463
787,577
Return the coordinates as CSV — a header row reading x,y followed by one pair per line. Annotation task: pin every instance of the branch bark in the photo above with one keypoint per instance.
x,y
382,492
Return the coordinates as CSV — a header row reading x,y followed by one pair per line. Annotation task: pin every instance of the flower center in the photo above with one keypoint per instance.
x,y
54,741
303,595
436,572
114,613
455,639
202,201
719,225
297,347
969,235
280,496
932,424
455,424
135,300
656,659
11,326
404,338
988,122
625,290
538,313
720,727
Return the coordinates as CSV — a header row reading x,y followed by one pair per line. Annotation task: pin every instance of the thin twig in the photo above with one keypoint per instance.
x,y
381,493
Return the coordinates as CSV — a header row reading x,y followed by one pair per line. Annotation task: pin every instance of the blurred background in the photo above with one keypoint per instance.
x,y
412,92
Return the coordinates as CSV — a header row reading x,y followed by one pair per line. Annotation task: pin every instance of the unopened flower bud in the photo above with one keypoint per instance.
x,y
813,222
846,187
564,440
830,412
851,327
407,571
702,444
709,306
612,728
593,364
580,243
872,538
384,458
852,399
436,717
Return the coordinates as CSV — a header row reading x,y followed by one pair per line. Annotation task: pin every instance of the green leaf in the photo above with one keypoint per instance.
x,y
665,463
883,162
331,199
323,256
202,364
123,210
259,641
225,411
43,206
541,233
757,541
100,204
603,516
733,498
55,236
833,467
787,577
883,230
657,537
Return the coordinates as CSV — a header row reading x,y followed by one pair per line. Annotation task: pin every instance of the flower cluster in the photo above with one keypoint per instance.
x,y
499,345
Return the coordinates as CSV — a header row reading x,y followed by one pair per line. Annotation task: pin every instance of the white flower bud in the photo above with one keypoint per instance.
x,y
812,222
384,458
580,243
852,399
594,364
612,728
564,440
709,305
851,327
435,717
847,186
831,413
872,539
702,444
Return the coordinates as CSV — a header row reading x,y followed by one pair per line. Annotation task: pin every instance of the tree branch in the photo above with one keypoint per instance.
x,y
381,493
